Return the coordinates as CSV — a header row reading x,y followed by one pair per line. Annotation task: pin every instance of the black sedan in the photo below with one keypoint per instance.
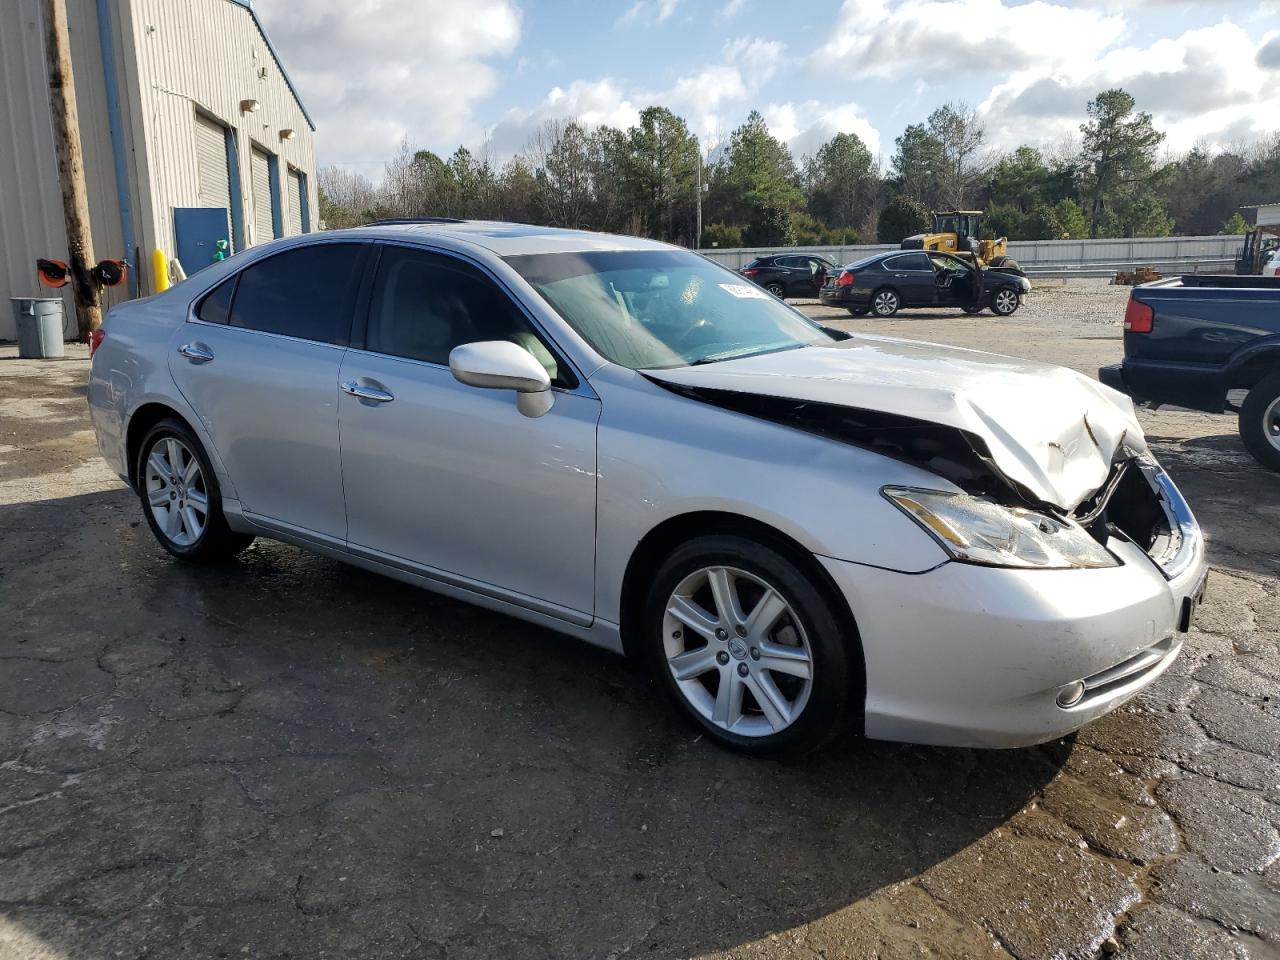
x,y
790,275
883,283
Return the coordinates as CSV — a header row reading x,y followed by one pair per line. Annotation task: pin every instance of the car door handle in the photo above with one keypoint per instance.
x,y
196,352
364,392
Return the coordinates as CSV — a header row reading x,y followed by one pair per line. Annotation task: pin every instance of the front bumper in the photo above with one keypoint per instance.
x,y
974,656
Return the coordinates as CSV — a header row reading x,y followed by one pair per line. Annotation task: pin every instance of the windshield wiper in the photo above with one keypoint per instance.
x,y
743,354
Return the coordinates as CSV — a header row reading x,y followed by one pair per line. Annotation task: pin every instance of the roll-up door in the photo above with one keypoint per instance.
x,y
297,200
211,161
260,176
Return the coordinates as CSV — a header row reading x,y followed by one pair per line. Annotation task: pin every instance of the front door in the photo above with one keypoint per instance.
x,y
959,283
452,479
258,361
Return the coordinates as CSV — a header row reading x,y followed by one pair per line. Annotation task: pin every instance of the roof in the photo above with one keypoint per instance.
x,y
507,239
248,5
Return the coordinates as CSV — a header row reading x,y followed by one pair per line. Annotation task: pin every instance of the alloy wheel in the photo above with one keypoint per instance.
x,y
1006,301
1271,423
737,651
886,303
776,290
176,493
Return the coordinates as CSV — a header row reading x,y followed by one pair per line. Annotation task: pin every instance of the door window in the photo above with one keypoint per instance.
x,y
425,304
908,261
306,292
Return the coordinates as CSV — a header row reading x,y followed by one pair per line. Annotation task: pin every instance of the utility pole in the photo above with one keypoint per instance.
x,y
697,236
66,141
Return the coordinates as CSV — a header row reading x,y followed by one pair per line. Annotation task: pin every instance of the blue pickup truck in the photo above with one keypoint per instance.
x,y
1190,340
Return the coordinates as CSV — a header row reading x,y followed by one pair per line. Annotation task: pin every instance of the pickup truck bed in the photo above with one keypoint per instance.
x,y
1189,340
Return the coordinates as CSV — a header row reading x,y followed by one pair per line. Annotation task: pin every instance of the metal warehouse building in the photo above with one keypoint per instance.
x,y
191,129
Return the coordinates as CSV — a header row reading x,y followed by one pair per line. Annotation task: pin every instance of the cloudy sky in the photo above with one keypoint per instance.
x,y
446,72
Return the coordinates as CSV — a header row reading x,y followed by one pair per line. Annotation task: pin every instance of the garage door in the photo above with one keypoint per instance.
x,y
260,176
211,160
297,200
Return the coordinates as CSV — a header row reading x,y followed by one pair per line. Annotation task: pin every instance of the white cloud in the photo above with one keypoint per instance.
x,y
731,9
403,67
806,126
648,11
876,38
1208,85
711,99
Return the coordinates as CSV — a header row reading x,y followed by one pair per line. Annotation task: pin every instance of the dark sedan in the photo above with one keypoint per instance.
x,y
790,275
883,283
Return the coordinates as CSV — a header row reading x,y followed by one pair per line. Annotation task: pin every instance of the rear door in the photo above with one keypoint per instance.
x,y
912,276
258,360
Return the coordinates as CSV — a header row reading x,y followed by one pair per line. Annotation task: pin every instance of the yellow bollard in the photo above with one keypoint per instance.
x,y
160,270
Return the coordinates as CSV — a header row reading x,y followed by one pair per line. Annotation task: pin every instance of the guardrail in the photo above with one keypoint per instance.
x,y
1037,256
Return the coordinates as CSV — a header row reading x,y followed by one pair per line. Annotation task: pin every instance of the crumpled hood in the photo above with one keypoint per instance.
x,y
1048,428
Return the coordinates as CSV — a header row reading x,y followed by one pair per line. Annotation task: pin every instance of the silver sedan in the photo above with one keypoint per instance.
x,y
802,532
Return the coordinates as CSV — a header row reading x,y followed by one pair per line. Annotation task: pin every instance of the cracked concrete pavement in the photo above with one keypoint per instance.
x,y
288,757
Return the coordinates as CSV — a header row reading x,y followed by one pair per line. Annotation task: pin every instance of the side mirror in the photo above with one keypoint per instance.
x,y
502,365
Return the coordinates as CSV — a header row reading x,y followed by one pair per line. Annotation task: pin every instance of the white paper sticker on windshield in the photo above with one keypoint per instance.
x,y
745,291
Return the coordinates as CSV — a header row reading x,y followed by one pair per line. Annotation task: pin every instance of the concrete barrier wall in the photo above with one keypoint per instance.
x,y
1033,254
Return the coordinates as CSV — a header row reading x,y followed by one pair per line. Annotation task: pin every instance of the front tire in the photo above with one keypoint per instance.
x,y
180,496
747,647
885,302
1259,421
1004,302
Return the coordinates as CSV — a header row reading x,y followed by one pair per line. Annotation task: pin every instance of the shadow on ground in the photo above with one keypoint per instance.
x,y
290,757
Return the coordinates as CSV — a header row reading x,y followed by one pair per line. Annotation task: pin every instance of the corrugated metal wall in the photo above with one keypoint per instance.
x,y
172,57
208,54
31,222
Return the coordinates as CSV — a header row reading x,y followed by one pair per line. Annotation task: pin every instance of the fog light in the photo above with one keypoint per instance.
x,y
1070,694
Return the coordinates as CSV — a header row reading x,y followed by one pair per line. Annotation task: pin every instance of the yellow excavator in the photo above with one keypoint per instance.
x,y
959,232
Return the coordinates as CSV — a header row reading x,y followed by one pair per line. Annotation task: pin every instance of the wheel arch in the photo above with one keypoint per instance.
x,y
1253,363
655,545
141,421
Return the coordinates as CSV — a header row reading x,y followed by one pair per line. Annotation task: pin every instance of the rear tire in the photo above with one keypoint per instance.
x,y
777,289
180,496
795,657
972,310
885,302
857,311
1259,421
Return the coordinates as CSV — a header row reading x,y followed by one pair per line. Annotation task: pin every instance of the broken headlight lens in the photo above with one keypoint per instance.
x,y
978,531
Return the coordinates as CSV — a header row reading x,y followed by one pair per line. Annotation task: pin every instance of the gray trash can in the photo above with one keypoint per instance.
x,y
40,324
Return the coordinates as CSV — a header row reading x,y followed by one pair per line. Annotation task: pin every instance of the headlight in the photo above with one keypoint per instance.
x,y
977,531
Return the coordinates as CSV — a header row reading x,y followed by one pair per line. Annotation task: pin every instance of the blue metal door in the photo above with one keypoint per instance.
x,y
196,232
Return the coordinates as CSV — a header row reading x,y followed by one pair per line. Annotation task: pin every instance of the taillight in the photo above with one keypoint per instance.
x,y
750,272
95,340
1138,317
845,279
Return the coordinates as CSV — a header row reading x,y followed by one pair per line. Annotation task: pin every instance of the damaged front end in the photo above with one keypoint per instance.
x,y
1137,503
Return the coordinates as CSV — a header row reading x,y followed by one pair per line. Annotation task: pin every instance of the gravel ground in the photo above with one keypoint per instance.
x,y
292,758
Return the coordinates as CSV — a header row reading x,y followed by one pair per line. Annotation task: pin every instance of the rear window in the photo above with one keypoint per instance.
x,y
863,263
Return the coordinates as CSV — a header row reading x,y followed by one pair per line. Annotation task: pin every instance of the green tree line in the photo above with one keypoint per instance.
x,y
1116,181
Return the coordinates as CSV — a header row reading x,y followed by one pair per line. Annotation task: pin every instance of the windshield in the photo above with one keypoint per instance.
x,y
664,308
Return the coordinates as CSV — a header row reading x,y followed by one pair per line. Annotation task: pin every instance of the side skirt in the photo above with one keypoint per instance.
x,y
595,631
